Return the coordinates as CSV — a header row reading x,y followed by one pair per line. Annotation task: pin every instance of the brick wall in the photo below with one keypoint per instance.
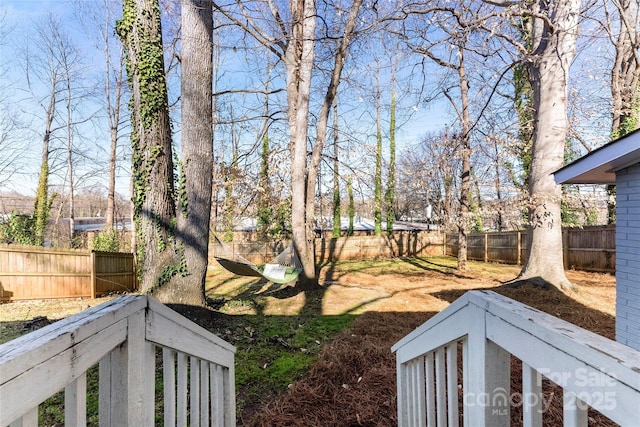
x,y
628,256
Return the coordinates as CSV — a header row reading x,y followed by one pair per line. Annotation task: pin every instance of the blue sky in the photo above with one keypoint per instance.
x,y
19,16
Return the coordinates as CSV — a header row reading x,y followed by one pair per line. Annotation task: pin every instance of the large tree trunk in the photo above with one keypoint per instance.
x,y
197,153
299,63
153,189
555,46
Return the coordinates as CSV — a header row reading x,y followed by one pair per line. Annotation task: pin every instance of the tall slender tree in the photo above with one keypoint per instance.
x,y
458,26
45,66
337,212
377,178
391,178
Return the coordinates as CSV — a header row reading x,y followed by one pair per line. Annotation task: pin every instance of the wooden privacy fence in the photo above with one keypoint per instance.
x,y
588,248
404,244
31,272
346,248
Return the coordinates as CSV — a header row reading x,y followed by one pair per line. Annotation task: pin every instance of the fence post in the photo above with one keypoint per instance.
x,y
444,245
92,262
486,247
565,248
519,249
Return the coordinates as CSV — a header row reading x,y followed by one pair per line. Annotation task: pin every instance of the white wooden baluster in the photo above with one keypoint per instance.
x,y
194,392
217,398
486,376
441,388
169,380
30,419
531,396
421,389
408,394
204,393
430,394
75,402
466,419
415,390
181,399
401,390
141,369
574,410
112,396
452,383
229,396
104,394
413,393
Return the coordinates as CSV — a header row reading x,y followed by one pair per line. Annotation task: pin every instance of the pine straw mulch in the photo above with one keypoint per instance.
x,y
353,382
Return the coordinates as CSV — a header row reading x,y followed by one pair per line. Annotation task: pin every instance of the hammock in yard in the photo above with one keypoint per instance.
x,y
284,268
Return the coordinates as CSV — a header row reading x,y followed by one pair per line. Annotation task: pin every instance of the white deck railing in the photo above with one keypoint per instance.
x,y
121,336
488,328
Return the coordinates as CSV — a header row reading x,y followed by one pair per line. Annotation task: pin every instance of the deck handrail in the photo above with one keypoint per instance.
x,y
489,328
121,336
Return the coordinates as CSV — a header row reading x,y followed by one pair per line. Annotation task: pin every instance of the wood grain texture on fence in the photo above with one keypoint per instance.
x,y
587,248
30,272
346,248
378,247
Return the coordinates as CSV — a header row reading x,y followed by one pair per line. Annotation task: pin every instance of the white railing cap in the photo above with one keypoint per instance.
x,y
573,340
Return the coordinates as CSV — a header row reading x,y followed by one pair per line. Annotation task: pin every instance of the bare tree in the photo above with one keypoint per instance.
x,y
625,76
114,96
46,65
377,178
337,211
458,26
11,151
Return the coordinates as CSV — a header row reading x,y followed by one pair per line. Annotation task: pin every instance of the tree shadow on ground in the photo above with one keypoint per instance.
x,y
428,265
